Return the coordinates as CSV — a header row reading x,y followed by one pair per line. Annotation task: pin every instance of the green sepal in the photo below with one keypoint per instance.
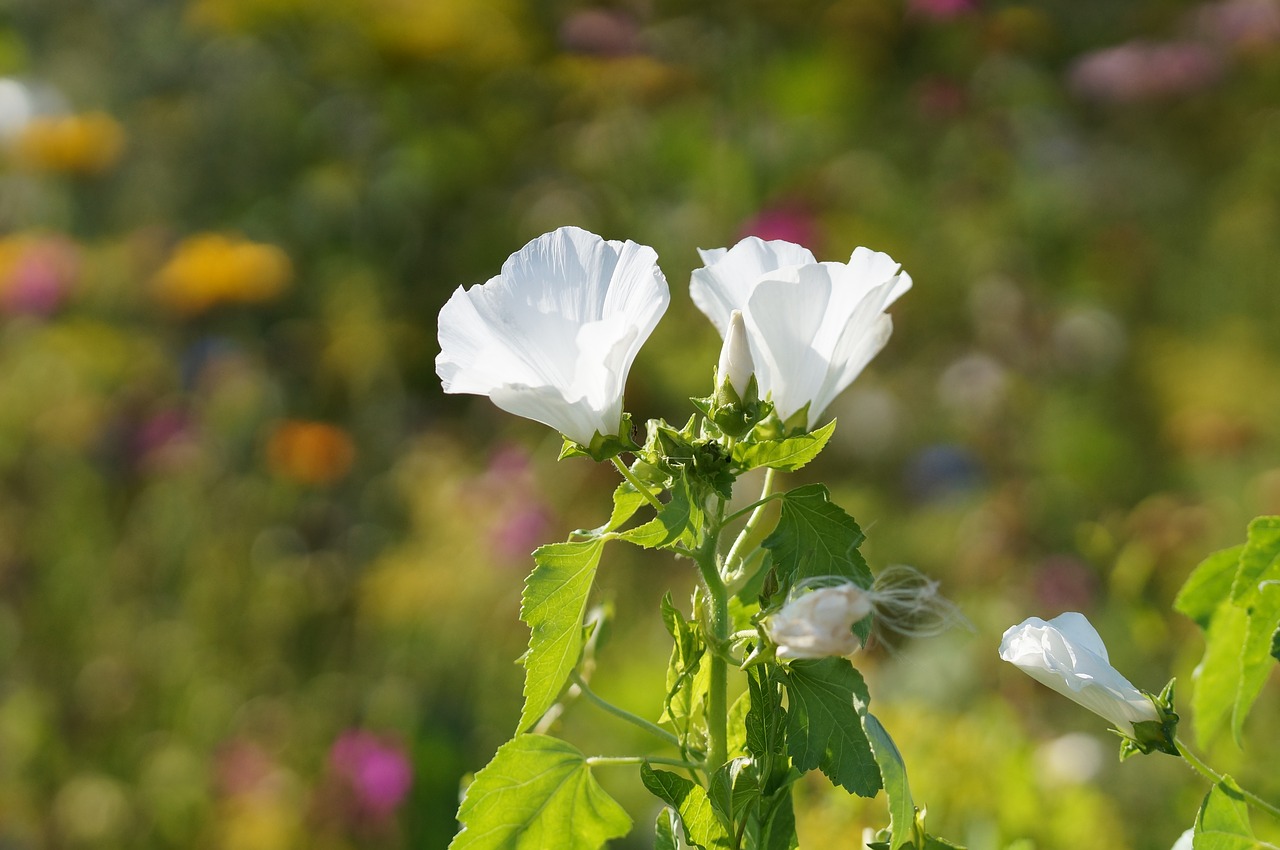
x,y
688,453
603,446
1158,735
785,455
537,792
733,414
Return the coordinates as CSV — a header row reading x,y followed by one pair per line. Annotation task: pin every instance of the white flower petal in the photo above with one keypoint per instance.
x,y
728,275
553,336
1068,655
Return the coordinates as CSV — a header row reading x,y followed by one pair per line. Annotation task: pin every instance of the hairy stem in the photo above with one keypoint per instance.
x,y
595,761
622,713
718,687
737,550
1215,777
636,483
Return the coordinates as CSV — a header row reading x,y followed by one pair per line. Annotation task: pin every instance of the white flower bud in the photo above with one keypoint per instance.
x,y
1068,655
819,623
736,366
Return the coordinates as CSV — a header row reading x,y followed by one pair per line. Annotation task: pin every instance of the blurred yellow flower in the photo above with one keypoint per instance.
x,y
212,268
88,143
310,452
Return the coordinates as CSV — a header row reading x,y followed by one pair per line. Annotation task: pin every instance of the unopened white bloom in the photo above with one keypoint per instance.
x,y
736,366
553,336
1067,654
819,623
812,327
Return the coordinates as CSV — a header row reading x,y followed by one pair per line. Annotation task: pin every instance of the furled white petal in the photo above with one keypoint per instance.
x,y
813,327
728,275
736,365
819,623
1067,655
553,336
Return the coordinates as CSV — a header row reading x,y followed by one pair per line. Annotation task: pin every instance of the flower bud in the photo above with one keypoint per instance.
x,y
736,366
1067,654
819,623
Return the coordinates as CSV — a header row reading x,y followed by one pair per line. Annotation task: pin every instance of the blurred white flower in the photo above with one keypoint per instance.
x,y
553,336
812,327
819,623
1067,654
1184,841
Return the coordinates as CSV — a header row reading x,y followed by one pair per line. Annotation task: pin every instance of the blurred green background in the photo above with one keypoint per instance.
x,y
259,578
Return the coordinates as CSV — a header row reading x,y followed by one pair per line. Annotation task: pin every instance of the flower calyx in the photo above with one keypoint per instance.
x,y
1154,735
604,446
690,454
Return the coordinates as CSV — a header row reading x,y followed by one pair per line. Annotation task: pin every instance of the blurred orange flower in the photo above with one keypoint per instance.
x,y
88,143
310,452
213,268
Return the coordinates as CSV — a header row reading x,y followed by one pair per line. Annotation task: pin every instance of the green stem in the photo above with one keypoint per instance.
x,y
622,713
758,503
636,483
594,761
735,555
718,671
1215,777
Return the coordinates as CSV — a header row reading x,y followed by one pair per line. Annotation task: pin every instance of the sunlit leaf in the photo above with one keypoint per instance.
x,y
678,520
553,605
1223,820
537,792
1209,585
785,455
893,773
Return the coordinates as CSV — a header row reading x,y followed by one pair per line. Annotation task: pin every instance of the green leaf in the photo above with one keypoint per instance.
x,y
766,719
679,519
664,831
553,605
734,791
823,726
1223,820
688,679
1260,560
774,827
815,538
1217,676
701,826
537,792
893,773
786,455
1209,585
1256,660
1275,645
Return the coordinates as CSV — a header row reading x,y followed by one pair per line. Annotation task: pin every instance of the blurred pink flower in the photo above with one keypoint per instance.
x,y
940,99
519,531
788,221
1139,70
600,32
242,768
39,277
940,10
1244,24
377,773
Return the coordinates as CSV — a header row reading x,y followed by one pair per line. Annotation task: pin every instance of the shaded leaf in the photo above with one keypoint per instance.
x,y
553,605
664,832
537,792
678,520
893,774
1223,820
701,826
824,729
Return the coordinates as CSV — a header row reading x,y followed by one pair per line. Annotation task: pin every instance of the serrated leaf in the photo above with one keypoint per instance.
x,y
786,455
1223,820
1260,560
553,606
774,827
815,537
733,791
688,679
664,831
1209,585
537,792
701,826
823,726
1217,676
679,519
893,774
626,501
1256,661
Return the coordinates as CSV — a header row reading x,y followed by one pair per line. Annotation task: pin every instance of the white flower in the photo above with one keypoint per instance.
x,y
813,327
1185,841
553,336
819,623
736,367
1068,655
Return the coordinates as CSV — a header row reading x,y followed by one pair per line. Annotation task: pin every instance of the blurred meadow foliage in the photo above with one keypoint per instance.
x,y
259,577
